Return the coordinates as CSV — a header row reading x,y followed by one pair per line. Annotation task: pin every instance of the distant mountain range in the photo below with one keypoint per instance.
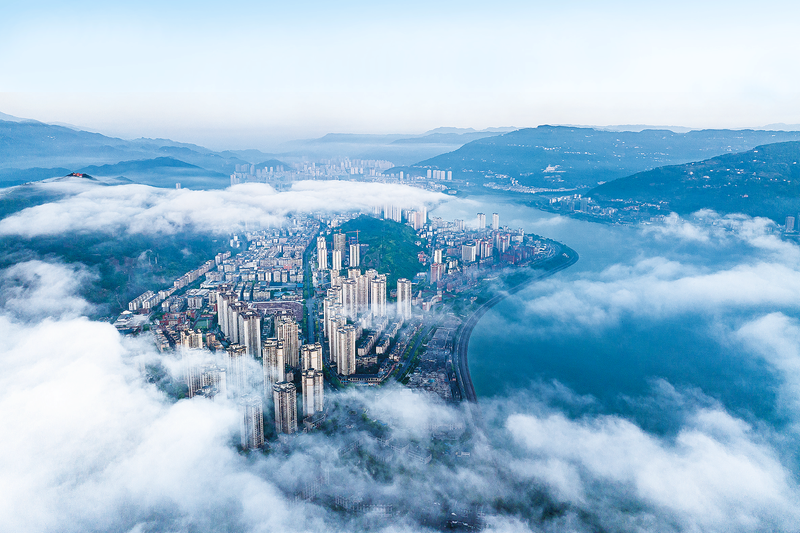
x,y
560,156
764,181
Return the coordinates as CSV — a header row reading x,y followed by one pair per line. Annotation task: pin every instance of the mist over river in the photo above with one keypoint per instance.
x,y
649,316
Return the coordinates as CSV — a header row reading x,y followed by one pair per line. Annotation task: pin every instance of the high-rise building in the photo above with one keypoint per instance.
x,y
287,332
355,255
251,422
327,305
362,293
404,297
469,252
339,241
322,253
481,221
274,363
789,224
234,311
449,175
350,297
437,256
378,295
346,351
437,271
336,260
311,356
237,370
313,392
250,332
495,221
284,396
191,339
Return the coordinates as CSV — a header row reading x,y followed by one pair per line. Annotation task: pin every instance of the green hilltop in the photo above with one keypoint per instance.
x,y
391,247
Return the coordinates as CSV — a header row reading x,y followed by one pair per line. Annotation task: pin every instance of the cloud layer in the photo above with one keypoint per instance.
x,y
144,209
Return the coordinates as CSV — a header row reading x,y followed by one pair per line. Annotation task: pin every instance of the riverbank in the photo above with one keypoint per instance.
x,y
566,258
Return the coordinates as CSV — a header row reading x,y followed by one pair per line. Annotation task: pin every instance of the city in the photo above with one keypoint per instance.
x,y
290,314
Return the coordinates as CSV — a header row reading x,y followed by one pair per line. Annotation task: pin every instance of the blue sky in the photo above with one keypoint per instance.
x,y
247,72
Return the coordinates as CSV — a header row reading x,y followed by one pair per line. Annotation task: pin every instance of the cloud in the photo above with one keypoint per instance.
x,y
150,210
716,475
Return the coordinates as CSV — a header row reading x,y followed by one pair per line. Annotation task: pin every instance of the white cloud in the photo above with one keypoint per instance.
x,y
716,475
144,209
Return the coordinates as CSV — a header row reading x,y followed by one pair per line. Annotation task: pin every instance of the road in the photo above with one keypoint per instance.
x,y
462,341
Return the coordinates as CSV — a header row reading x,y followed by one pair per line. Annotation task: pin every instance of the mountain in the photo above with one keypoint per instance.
x,y
763,182
560,156
446,138
159,171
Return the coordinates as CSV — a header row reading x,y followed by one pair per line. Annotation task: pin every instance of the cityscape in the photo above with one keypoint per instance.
x,y
292,312
418,267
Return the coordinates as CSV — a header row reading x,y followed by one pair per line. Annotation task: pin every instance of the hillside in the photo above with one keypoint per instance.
x,y
557,156
31,150
391,247
764,182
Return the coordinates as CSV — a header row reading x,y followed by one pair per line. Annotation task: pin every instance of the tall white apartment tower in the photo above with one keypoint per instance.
x,y
481,221
346,351
336,260
250,332
355,255
284,396
322,253
377,293
237,370
495,221
287,332
313,391
437,256
404,297
350,297
251,422
311,356
274,363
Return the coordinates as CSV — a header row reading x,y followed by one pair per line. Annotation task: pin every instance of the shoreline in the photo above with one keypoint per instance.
x,y
462,343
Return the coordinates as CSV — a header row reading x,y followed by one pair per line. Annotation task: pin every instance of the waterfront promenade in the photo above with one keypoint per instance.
x,y
565,259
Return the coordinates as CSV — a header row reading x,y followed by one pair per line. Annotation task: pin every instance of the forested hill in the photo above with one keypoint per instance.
x,y
764,181
558,156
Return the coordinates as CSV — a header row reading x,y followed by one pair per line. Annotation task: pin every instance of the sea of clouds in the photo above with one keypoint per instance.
x,y
91,445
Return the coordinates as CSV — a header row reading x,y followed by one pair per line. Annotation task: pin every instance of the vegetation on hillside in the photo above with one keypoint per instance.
x,y
763,182
391,247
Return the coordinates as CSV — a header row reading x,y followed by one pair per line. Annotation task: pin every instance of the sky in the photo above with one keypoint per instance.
x,y
249,74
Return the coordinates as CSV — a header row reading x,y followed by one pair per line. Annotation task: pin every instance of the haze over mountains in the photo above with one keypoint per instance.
x,y
560,156
554,157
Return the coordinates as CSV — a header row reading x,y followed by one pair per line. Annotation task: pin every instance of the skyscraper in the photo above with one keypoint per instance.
x,y
191,339
322,253
336,260
355,255
274,363
481,221
251,422
350,297
346,351
339,241
311,356
378,295
284,396
313,391
495,221
287,332
237,370
404,297
250,332
437,256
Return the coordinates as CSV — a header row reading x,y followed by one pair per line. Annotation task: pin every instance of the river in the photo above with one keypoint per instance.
x,y
632,326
